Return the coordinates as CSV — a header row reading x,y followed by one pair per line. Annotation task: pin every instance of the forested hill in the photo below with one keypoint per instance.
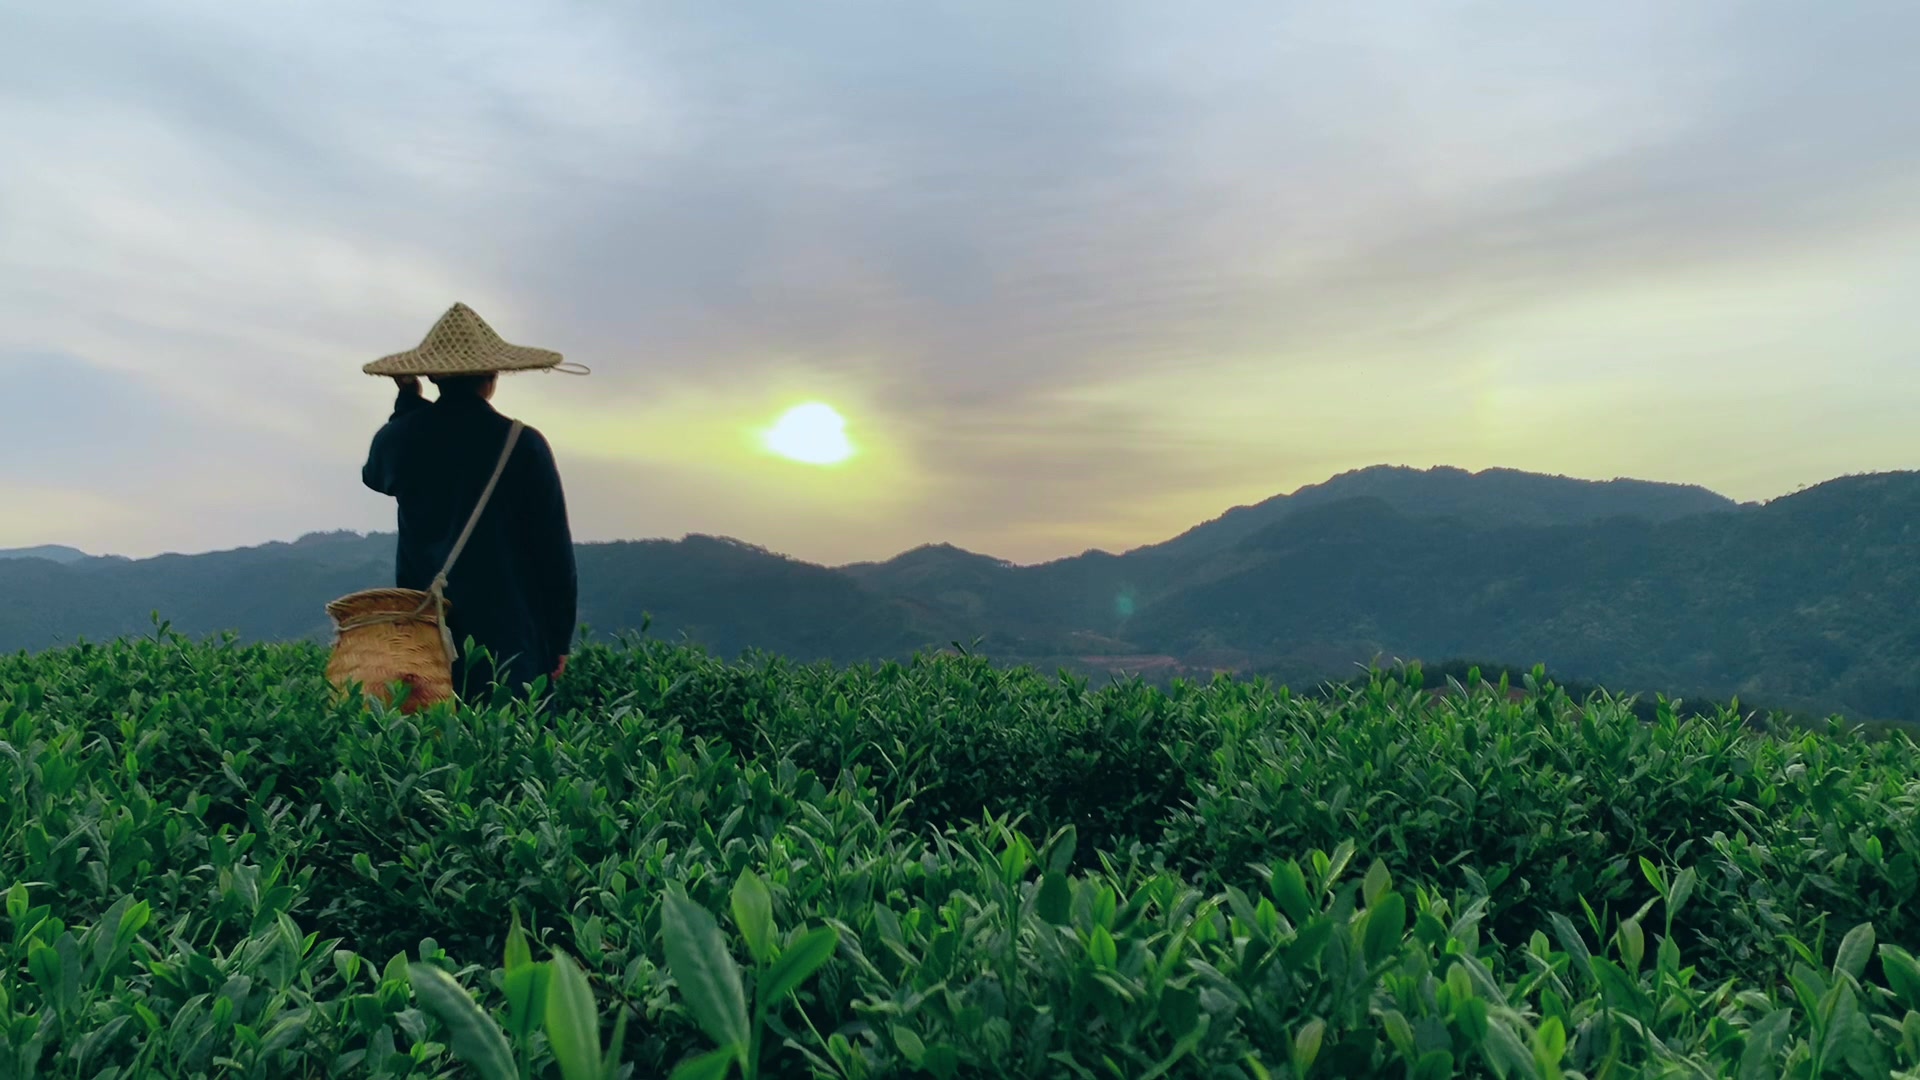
x,y
1811,601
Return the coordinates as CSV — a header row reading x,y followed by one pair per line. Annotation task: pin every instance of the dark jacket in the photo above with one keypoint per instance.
x,y
514,589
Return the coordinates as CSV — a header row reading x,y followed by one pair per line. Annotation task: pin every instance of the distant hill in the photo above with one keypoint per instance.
x,y
732,596
1505,496
724,594
50,552
1099,593
1810,602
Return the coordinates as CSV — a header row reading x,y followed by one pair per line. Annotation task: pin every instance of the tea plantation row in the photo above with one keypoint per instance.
x,y
676,865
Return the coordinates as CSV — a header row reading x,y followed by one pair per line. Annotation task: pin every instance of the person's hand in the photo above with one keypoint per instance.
x,y
561,670
407,383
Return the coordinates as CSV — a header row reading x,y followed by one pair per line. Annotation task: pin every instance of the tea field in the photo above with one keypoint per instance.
x,y
676,866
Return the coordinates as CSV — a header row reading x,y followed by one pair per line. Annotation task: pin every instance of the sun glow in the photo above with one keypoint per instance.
x,y
811,434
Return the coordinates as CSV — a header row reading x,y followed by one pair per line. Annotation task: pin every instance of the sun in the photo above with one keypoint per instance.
x,y
811,434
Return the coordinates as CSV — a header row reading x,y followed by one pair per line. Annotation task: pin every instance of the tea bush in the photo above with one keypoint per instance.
x,y
670,864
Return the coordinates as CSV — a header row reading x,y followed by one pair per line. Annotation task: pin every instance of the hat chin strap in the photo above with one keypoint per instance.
x,y
568,367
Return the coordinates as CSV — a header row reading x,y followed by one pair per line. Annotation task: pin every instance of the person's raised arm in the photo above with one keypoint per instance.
x,y
378,472
408,398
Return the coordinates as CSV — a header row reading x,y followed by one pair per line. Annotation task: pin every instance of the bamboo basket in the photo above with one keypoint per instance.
x,y
388,636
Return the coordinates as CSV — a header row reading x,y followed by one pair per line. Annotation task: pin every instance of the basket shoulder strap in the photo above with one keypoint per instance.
x,y
440,579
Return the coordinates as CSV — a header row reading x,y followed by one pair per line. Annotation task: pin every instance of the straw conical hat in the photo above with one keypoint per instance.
x,y
461,343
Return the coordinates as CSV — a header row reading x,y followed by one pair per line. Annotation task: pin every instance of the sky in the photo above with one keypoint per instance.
x,y
1077,275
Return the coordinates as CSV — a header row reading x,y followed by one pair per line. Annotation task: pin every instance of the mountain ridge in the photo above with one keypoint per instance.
x,y
1660,499
1806,600
57,553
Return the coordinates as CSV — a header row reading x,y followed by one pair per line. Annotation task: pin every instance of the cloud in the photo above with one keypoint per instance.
x,y
110,461
1080,272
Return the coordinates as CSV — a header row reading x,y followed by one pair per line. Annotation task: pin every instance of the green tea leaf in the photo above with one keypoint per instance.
x,y
1855,950
1386,923
1181,1048
712,1065
1458,982
1310,941
1241,906
1903,974
1808,986
1549,1045
1862,1052
797,963
610,1065
1632,941
1054,901
1342,855
1061,856
1666,958
1433,1065
1266,918
526,988
1766,1043
709,980
472,1035
843,1053
1503,1047
1306,1044
573,1021
753,914
1104,906
44,963
1400,1033
943,1061
1683,887
1290,892
1179,1009
910,1045
1472,1016
1376,882
1618,988
517,953
132,920
1100,948
1654,875
1849,1036
347,963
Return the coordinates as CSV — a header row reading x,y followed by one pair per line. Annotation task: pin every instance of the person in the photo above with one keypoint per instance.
x,y
514,588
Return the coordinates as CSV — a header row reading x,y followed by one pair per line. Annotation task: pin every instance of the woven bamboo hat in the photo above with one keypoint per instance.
x,y
462,343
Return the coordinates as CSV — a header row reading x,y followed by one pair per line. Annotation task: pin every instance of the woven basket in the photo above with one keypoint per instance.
x,y
380,641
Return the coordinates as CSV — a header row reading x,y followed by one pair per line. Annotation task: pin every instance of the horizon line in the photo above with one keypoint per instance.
x,y
697,534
